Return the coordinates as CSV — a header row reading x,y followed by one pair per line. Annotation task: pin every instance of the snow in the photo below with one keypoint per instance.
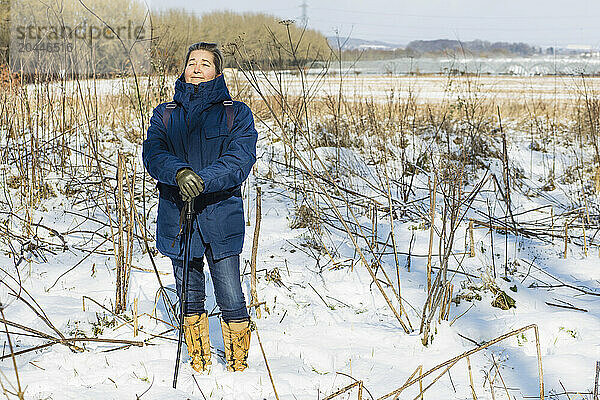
x,y
324,325
423,89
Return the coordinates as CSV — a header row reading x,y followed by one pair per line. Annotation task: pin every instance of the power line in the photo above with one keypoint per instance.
x,y
525,17
462,28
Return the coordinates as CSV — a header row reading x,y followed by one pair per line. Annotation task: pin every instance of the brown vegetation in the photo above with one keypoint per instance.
x,y
85,138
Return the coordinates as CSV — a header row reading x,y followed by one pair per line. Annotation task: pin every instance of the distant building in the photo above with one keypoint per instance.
x,y
580,47
373,46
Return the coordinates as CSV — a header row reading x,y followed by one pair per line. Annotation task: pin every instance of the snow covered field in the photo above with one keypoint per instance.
x,y
431,88
427,88
324,325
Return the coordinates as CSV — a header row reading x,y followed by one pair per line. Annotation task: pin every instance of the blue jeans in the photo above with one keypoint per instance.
x,y
225,274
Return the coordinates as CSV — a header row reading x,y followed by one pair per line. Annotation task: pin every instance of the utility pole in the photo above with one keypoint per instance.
x,y
304,6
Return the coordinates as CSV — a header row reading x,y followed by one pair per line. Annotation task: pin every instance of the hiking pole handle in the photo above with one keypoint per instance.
x,y
189,210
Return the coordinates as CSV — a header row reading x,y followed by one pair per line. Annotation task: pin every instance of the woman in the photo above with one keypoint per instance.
x,y
202,146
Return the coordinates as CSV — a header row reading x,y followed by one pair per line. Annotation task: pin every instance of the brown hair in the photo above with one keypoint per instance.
x,y
211,47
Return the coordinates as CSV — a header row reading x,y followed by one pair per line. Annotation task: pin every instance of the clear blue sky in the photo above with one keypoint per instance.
x,y
539,22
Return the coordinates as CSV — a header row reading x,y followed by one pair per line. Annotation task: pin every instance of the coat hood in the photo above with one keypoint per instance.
x,y
196,98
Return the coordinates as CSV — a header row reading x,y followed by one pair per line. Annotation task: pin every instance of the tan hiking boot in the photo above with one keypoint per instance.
x,y
236,337
195,329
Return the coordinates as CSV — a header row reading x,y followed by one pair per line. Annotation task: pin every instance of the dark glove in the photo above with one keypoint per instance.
x,y
190,184
184,197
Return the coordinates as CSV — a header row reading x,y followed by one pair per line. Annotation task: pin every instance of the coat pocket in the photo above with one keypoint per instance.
x,y
231,216
167,223
215,143
168,241
214,132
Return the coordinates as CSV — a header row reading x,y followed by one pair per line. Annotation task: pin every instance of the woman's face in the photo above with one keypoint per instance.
x,y
200,67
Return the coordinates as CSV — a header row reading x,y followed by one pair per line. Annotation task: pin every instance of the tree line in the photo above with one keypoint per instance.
x,y
263,38
478,47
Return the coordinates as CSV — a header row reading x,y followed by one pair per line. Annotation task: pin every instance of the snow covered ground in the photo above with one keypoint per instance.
x,y
427,88
432,88
324,325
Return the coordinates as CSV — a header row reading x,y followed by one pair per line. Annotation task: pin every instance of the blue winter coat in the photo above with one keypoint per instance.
x,y
197,137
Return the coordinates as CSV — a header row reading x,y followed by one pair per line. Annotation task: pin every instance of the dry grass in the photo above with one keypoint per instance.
x,y
73,138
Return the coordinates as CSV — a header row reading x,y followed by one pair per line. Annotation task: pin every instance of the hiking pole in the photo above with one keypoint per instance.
x,y
189,214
